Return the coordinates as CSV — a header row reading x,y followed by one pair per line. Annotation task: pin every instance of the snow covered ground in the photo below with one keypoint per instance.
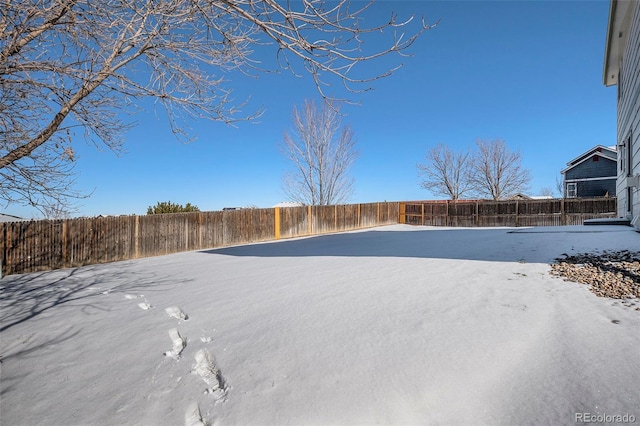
x,y
393,325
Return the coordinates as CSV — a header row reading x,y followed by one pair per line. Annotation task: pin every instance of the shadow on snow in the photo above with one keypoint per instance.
x,y
481,244
26,296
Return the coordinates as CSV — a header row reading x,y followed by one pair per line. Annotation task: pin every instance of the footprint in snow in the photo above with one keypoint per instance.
x,y
207,369
145,306
176,312
179,343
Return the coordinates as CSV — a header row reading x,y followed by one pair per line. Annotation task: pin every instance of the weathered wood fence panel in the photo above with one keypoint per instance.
x,y
294,222
554,212
322,219
368,214
52,244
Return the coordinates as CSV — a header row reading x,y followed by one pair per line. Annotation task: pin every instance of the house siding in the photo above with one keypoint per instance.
x,y
629,116
604,167
595,188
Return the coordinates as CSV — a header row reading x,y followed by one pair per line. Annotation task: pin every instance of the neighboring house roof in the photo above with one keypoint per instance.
x,y
617,36
602,151
520,196
10,218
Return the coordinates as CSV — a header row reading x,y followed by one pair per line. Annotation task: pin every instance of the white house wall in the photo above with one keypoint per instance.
x,y
629,114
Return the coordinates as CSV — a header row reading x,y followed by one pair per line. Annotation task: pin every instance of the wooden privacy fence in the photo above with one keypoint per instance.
x,y
52,244
556,212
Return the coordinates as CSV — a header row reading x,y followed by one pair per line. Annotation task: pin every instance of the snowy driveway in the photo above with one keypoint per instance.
x,y
393,325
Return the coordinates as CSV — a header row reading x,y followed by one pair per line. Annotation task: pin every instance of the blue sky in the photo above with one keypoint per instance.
x,y
528,72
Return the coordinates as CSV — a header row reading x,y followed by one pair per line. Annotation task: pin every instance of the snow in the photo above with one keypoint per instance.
x,y
288,204
393,325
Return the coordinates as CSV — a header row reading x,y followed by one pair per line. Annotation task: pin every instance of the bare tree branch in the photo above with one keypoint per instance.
x,y
321,154
69,65
496,172
446,172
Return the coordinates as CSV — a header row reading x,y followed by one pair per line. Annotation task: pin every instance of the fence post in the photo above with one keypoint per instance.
x,y
64,244
563,217
200,231
516,212
358,215
422,213
477,219
136,236
277,222
186,232
401,216
446,216
7,241
309,219
3,247
335,217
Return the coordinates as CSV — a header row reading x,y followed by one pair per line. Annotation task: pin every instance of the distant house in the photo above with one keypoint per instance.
x,y
591,174
521,196
621,59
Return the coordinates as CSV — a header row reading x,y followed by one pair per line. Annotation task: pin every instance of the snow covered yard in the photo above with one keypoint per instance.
x,y
393,325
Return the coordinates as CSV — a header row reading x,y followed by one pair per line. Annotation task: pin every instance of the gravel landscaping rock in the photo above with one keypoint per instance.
x,y
614,274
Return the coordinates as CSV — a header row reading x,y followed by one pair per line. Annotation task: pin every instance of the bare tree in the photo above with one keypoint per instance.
x,y
446,172
70,66
547,191
321,154
496,172
560,186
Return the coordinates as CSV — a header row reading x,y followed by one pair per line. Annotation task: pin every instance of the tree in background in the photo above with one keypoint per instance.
x,y
169,207
321,153
547,191
446,172
560,186
496,172
492,171
71,66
